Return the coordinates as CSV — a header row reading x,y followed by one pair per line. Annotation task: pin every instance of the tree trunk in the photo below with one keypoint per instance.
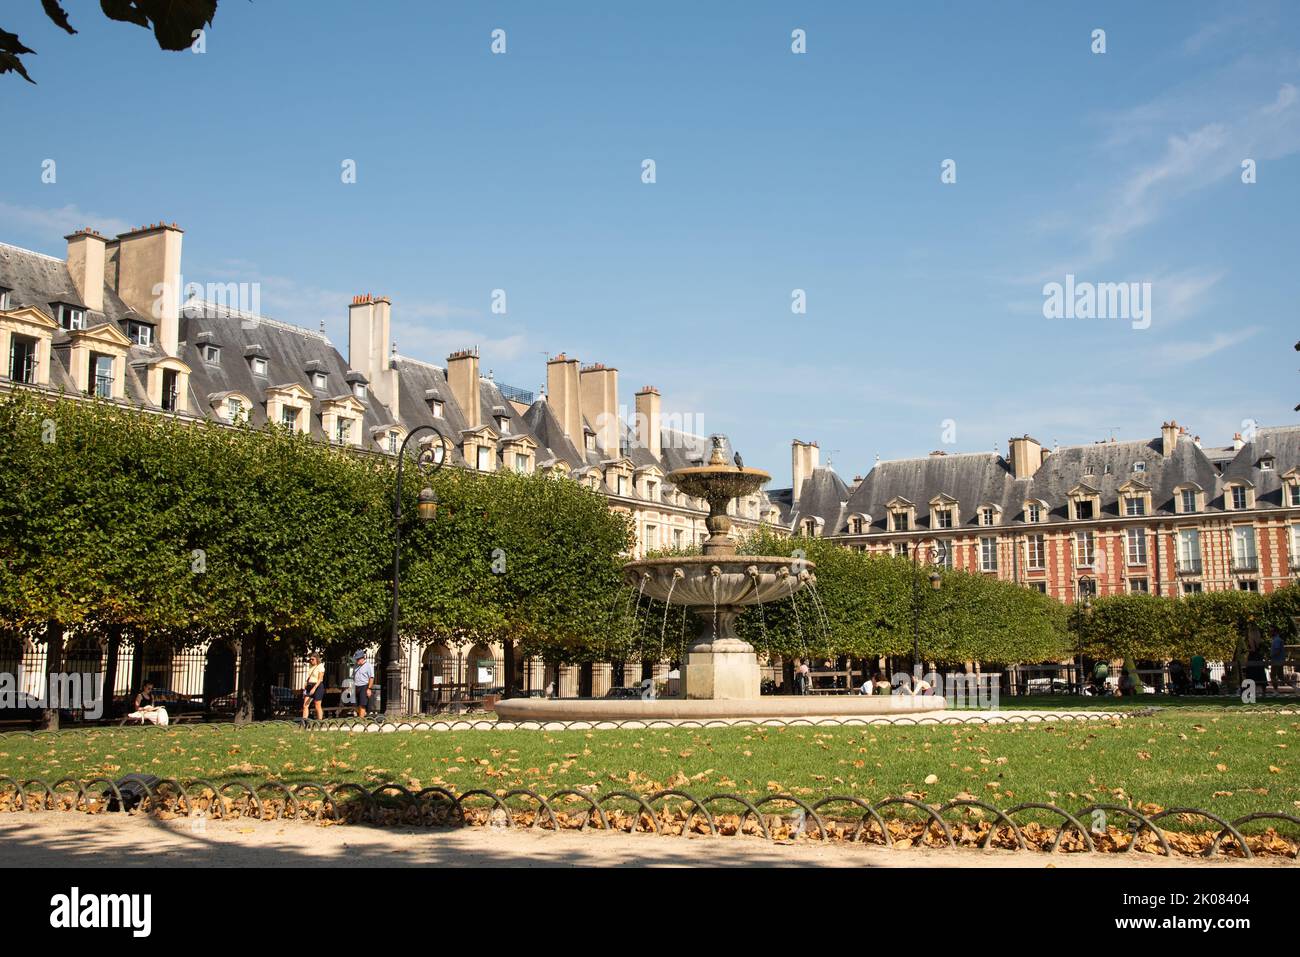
x,y
508,678
586,679
247,678
110,668
787,676
53,664
262,675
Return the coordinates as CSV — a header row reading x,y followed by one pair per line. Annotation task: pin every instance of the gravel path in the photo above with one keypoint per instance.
x,y
78,840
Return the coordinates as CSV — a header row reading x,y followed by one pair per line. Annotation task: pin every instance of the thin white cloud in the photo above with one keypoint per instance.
x,y
43,223
1193,350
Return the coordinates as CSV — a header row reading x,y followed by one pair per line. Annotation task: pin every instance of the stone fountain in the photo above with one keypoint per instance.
x,y
720,676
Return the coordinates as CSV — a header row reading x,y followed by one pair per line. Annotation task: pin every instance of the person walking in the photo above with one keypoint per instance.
x,y
314,691
363,680
1277,658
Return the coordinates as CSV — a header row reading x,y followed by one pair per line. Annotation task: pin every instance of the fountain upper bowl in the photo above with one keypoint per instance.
x,y
705,580
707,481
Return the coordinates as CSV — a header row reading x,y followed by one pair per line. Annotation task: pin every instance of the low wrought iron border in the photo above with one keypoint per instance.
x,y
438,806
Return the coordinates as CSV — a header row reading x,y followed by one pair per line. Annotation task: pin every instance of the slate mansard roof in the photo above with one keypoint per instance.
x,y
295,355
980,479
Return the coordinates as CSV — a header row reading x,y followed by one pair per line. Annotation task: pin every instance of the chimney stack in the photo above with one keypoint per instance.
x,y
1168,438
462,379
563,394
599,389
1237,441
649,420
1026,456
144,267
369,323
804,458
86,253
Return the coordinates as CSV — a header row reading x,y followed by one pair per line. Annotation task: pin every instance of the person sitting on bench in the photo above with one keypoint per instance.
x,y
146,710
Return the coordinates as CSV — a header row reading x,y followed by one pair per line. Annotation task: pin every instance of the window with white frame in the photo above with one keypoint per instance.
x,y
1266,465
1238,497
483,461
1188,496
394,442
102,367
1295,547
318,380
1137,546
986,516
289,417
1033,512
1248,584
4,298
342,430
140,333
1084,549
622,484
988,554
943,558
521,462
1135,505
71,317
900,521
234,409
943,518
359,390
1188,547
1083,510
1243,548
1139,466
1139,586
901,549
258,365
1035,552
211,353
1293,494
1192,588
436,407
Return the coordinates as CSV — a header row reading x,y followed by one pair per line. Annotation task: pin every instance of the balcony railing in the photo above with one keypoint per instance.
x,y
1245,563
104,386
1189,566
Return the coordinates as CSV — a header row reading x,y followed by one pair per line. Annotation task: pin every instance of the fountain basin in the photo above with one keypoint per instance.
x,y
758,708
703,581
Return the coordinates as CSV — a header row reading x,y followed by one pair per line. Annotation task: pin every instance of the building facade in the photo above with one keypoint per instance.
x,y
1165,516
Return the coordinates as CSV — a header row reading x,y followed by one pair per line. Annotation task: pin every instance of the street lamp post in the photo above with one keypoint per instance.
x,y
934,555
426,508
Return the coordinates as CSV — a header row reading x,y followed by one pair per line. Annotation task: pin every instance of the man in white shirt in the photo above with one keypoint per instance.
x,y
363,679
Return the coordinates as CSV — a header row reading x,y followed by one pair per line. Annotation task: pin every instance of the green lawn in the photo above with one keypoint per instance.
x,y
1230,762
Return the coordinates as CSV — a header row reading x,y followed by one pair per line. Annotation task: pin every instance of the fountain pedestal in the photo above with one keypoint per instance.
x,y
723,668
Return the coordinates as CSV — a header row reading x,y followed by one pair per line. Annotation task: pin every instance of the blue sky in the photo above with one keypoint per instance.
x,y
775,172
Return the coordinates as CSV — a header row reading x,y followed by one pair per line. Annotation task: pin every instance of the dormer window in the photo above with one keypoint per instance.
x,y
621,486
503,424
1266,463
1135,505
289,417
1033,513
4,297
342,430
71,317
211,353
900,521
394,441
258,365
1139,466
856,525
359,390
1238,497
234,409
1293,494
986,516
319,381
943,518
1083,509
483,459
140,333
590,440
1188,501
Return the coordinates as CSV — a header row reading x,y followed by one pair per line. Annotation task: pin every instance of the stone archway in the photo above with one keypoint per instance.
x,y
437,676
